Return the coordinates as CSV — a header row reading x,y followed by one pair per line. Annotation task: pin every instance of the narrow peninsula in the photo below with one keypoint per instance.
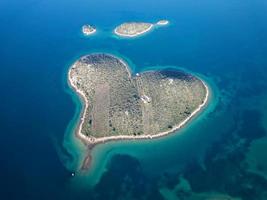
x,y
134,29
121,106
88,30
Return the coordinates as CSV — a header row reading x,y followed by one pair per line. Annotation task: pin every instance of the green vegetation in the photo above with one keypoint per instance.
x,y
131,29
122,104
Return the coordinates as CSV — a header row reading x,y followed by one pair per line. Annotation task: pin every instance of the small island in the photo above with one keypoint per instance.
x,y
163,22
88,30
132,29
121,106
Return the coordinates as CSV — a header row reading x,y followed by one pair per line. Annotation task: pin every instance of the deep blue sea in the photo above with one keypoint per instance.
x,y
221,154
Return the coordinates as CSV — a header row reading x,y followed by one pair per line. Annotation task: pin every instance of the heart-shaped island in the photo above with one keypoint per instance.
x,y
119,105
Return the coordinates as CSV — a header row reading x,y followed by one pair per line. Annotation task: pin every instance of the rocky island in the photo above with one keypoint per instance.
x,y
119,105
88,30
132,29
163,22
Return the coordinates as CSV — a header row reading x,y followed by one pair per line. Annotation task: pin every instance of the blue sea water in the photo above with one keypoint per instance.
x,y
223,41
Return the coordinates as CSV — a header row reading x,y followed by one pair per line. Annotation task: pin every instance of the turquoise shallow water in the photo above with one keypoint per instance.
x,y
144,150
218,153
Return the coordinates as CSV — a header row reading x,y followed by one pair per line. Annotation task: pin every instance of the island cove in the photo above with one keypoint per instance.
x,y
134,29
122,106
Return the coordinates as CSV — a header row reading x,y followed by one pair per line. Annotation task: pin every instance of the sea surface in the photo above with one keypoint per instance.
x,y
220,154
